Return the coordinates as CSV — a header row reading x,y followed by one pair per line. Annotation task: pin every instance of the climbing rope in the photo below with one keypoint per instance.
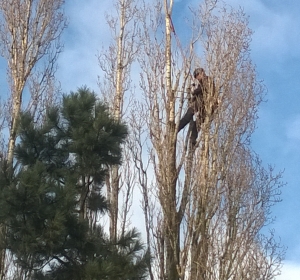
x,y
176,37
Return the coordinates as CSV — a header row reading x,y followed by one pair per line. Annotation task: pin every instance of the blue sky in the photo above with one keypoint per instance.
x,y
276,53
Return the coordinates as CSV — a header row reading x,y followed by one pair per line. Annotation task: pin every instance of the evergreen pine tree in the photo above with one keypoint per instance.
x,y
57,187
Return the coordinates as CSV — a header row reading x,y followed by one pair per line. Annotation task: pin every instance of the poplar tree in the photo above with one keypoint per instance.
x,y
116,62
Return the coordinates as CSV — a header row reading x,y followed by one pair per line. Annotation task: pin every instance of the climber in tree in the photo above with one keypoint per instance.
x,y
198,102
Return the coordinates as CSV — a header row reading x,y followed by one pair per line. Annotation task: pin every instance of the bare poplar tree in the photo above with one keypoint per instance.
x,y
29,32
164,82
207,203
232,193
116,63
30,42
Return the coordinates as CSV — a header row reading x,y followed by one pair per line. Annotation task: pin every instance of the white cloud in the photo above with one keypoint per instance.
x,y
290,147
272,34
275,33
86,34
290,271
293,129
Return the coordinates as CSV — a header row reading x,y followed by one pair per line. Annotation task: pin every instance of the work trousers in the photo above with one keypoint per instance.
x,y
187,118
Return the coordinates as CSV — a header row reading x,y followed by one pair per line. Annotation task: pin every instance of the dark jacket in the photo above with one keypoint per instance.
x,y
201,96
204,100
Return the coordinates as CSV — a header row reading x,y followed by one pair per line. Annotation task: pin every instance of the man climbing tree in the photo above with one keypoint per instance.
x,y
200,103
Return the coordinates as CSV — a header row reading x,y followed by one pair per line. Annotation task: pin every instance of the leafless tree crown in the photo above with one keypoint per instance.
x,y
29,32
206,202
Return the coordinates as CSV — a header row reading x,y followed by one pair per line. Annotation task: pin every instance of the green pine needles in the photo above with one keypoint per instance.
x,y
50,204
